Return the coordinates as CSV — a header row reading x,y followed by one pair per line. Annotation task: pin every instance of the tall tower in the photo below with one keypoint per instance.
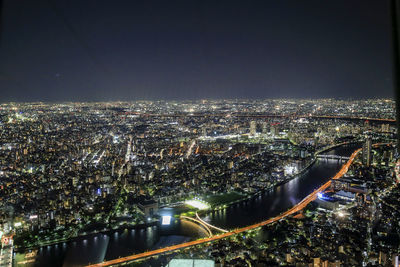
x,y
367,151
272,130
203,131
385,128
253,127
264,127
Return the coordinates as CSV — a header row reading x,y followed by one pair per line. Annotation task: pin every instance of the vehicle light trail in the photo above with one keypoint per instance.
x,y
190,149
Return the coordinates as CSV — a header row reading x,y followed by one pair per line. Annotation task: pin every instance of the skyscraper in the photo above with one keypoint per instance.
x,y
253,128
367,151
385,128
264,127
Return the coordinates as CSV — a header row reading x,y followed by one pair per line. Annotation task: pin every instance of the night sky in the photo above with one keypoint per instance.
x,y
81,50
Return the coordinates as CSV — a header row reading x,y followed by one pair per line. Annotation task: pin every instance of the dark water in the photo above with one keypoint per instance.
x,y
99,247
276,201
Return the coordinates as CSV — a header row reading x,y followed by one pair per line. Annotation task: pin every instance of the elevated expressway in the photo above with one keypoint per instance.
x,y
299,206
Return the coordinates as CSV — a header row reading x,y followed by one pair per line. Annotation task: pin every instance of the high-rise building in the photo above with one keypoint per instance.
x,y
204,131
367,152
264,127
230,164
253,128
272,130
385,128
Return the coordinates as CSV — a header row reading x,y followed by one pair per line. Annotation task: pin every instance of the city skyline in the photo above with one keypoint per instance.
x,y
202,132
147,181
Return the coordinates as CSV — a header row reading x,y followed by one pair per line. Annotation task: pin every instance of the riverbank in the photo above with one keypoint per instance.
x,y
85,235
291,177
259,192
269,196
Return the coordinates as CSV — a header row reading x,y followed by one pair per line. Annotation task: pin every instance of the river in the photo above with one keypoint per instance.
x,y
99,247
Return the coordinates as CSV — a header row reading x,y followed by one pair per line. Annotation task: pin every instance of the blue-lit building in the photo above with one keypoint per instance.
x,y
327,202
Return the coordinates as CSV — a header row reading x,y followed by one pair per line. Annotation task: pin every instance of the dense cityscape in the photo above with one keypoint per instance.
x,y
72,172
199,133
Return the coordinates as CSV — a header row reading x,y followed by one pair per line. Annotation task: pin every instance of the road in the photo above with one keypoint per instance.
x,y
199,222
299,206
210,225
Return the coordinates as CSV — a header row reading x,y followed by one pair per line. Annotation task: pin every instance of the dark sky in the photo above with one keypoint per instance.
x,y
91,50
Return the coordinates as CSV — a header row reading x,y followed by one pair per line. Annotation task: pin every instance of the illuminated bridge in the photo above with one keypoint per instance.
x,y
332,157
210,225
200,222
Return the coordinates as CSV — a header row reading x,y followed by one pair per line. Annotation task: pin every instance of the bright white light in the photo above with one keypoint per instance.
x,y
341,214
290,169
166,220
197,204
320,195
33,217
17,224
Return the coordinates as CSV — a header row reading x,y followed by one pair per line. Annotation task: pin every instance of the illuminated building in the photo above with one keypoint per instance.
x,y
190,262
149,207
253,128
367,152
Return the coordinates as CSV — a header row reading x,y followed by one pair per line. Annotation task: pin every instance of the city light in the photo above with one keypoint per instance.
x,y
197,204
166,220
217,163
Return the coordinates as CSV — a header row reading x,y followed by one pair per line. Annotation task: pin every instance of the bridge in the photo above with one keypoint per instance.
x,y
200,222
299,206
204,224
324,149
332,157
210,225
